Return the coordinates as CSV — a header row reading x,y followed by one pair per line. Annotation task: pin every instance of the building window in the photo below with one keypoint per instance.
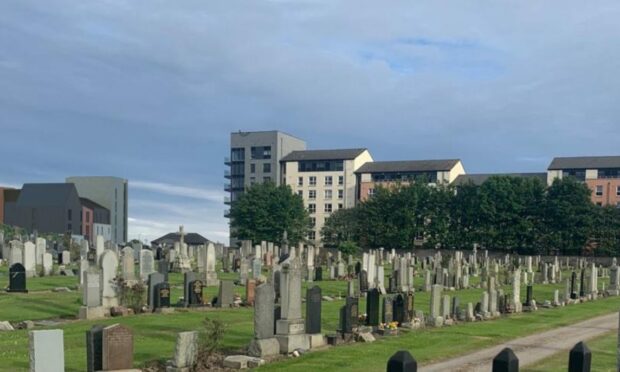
x,y
371,192
267,168
300,193
312,222
617,190
311,235
328,180
340,206
599,190
69,214
266,179
261,152
69,227
328,194
340,180
252,168
312,194
328,208
300,181
312,180
312,208
599,204
340,194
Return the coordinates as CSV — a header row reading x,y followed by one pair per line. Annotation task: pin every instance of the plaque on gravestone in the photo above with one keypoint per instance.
x,y
313,310
387,309
17,278
162,297
196,298
399,309
409,307
117,350
94,348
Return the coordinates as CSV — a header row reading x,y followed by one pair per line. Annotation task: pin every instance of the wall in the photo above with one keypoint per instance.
x,y
609,196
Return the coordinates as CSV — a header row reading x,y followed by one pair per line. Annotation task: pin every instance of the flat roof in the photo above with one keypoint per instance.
x,y
479,178
408,166
336,154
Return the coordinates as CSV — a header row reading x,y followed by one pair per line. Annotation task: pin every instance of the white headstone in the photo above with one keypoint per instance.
x,y
129,267
29,259
109,268
41,246
99,246
147,263
47,351
48,264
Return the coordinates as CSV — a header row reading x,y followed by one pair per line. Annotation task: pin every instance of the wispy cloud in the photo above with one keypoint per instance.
x,y
177,190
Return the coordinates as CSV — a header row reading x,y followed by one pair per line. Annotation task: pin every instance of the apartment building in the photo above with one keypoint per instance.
x,y
600,173
255,158
325,179
386,173
479,178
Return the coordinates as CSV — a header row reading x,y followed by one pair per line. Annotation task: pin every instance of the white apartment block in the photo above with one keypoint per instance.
x,y
325,179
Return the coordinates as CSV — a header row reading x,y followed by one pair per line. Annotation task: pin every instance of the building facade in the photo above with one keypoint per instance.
x,y
112,194
95,221
600,173
326,181
387,173
255,158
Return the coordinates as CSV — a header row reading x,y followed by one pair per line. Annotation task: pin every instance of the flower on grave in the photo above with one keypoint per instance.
x,y
362,317
393,325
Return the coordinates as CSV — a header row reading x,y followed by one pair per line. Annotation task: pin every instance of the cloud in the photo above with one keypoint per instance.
x,y
177,190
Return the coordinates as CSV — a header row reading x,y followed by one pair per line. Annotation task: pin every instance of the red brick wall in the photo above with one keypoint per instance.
x,y
610,196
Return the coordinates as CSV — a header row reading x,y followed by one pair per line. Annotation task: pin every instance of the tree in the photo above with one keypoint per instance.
x,y
606,230
341,226
265,211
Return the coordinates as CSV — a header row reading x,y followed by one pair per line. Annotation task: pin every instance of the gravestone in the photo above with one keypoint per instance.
x,y
147,263
250,289
211,274
290,329
399,309
349,315
402,361
162,296
580,358
372,308
65,257
91,290
196,296
313,310
185,351
109,267
264,342
225,294
129,267
47,351
154,279
48,264
29,259
188,278
318,274
506,361
17,278
363,281
388,315
94,348
117,348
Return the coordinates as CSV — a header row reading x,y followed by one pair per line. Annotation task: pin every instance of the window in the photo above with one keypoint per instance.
x,y
328,194
320,166
261,152
311,235
252,168
266,179
267,168
340,180
69,227
371,192
617,190
328,208
300,181
312,194
340,206
328,180
69,214
599,204
340,194
599,190
312,180
311,208
312,222
300,193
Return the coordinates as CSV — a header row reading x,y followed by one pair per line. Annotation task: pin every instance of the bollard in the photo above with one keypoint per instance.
x,y
506,361
580,358
402,361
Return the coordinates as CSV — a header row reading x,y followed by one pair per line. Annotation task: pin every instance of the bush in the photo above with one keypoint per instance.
x,y
210,340
131,296
348,247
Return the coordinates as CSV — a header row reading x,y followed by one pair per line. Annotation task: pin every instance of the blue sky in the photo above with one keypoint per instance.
x,y
150,90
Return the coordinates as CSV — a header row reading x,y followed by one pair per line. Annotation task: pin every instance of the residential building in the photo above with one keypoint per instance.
x,y
111,193
8,196
325,179
95,221
600,173
479,178
255,158
47,208
386,173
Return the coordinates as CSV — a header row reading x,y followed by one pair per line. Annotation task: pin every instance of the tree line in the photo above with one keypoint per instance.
x,y
514,214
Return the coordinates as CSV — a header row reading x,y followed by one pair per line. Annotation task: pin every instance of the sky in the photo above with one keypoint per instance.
x,y
151,90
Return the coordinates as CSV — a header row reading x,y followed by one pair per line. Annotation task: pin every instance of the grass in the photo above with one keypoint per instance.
x,y
155,334
603,350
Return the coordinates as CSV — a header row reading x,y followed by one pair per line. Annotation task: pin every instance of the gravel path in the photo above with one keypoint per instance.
x,y
531,349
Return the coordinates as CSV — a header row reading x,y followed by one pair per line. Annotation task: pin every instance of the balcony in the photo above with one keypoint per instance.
x,y
227,200
227,213
227,173
227,160
227,187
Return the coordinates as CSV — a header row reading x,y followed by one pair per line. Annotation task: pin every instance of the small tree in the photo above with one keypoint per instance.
x,y
348,247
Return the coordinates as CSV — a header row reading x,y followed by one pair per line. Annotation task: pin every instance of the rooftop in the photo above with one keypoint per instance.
x,y
46,194
408,166
478,179
585,162
173,237
338,154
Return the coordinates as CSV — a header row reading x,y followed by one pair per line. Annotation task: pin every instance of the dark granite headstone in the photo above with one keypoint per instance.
x,y
195,297
399,308
349,315
117,350
313,310
162,268
153,280
277,315
94,348
402,361
363,282
582,284
318,274
454,311
528,297
162,295
358,268
580,358
17,278
188,278
409,306
506,361
372,307
226,294
573,284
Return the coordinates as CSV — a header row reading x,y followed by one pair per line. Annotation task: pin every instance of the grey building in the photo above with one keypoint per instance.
x,y
47,208
111,193
255,158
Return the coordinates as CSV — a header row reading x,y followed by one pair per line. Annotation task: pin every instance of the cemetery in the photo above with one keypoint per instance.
x,y
283,308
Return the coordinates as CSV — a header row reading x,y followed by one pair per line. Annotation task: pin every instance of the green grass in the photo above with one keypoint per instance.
x,y
603,350
155,334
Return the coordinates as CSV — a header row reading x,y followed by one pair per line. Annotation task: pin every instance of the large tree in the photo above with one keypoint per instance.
x,y
265,211
340,227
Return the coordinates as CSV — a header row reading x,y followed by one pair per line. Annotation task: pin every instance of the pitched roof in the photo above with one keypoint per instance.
x,y
478,179
585,162
91,204
338,154
173,237
408,166
45,194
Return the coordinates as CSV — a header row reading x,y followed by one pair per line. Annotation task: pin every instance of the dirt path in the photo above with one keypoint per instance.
x,y
531,349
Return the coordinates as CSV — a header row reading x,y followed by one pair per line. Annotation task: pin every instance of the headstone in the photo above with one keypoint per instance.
x,y
372,307
66,257
17,278
291,327
580,358
185,350
48,264
154,280
349,314
399,309
117,348
506,361
29,259
388,315
196,296
91,289
94,349
226,294
250,288
188,278
313,310
162,296
129,268
109,267
47,351
147,263
402,361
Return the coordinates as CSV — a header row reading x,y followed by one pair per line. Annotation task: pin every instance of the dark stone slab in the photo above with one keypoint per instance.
x,y
17,278
94,345
372,307
506,361
313,310
402,361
